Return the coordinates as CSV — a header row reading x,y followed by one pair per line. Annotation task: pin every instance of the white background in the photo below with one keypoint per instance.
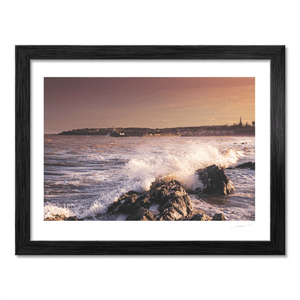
x,y
234,230
145,23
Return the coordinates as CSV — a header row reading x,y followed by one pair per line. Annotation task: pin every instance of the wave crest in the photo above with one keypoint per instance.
x,y
179,165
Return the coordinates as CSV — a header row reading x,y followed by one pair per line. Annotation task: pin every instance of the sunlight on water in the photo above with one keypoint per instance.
x,y
84,174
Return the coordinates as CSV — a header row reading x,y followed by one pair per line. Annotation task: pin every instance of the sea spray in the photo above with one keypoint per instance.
x,y
179,165
52,210
84,181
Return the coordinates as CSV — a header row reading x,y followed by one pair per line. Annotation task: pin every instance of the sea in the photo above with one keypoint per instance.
x,y
84,174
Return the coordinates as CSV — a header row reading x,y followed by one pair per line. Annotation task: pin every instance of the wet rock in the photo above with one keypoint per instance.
x,y
177,207
124,204
219,217
143,201
172,200
160,189
248,165
215,181
72,219
142,214
62,218
200,217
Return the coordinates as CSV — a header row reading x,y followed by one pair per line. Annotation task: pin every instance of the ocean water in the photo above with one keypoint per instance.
x,y
84,174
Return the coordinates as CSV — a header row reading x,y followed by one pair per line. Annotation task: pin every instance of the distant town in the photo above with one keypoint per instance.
x,y
238,129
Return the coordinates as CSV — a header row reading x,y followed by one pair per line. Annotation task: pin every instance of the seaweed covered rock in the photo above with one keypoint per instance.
x,y
215,181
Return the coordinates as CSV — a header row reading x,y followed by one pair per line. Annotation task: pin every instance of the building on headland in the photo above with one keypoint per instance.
x,y
225,130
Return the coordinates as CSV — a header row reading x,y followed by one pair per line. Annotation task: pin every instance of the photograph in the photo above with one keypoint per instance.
x,y
149,149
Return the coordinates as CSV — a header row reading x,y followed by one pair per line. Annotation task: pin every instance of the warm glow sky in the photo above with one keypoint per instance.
x,y
74,103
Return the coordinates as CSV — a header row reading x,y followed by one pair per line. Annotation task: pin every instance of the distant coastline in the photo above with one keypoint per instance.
x,y
215,130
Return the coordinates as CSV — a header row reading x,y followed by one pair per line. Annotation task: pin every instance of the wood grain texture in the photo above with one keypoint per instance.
x,y
278,149
24,246
22,166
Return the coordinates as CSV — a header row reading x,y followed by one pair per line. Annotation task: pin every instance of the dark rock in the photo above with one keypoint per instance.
x,y
219,217
143,201
176,204
160,189
173,202
248,165
215,181
164,184
142,214
200,217
62,218
72,219
124,204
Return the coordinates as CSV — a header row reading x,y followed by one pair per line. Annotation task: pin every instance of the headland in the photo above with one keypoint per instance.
x,y
214,130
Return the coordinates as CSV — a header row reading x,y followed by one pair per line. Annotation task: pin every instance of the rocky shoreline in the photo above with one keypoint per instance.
x,y
167,200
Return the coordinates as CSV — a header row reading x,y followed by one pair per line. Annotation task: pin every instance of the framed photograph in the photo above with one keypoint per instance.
x,y
109,136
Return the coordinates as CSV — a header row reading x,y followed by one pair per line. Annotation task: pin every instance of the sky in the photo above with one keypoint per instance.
x,y
152,102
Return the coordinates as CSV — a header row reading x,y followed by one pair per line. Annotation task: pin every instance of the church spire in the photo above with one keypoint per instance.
x,y
241,121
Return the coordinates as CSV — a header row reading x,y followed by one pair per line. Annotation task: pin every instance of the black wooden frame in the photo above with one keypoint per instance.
x,y
276,245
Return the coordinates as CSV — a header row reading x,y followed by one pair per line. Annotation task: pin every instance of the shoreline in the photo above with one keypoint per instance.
x,y
94,134
168,200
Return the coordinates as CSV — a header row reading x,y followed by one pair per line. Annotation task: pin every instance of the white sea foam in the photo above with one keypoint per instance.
x,y
91,180
96,209
51,210
179,165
